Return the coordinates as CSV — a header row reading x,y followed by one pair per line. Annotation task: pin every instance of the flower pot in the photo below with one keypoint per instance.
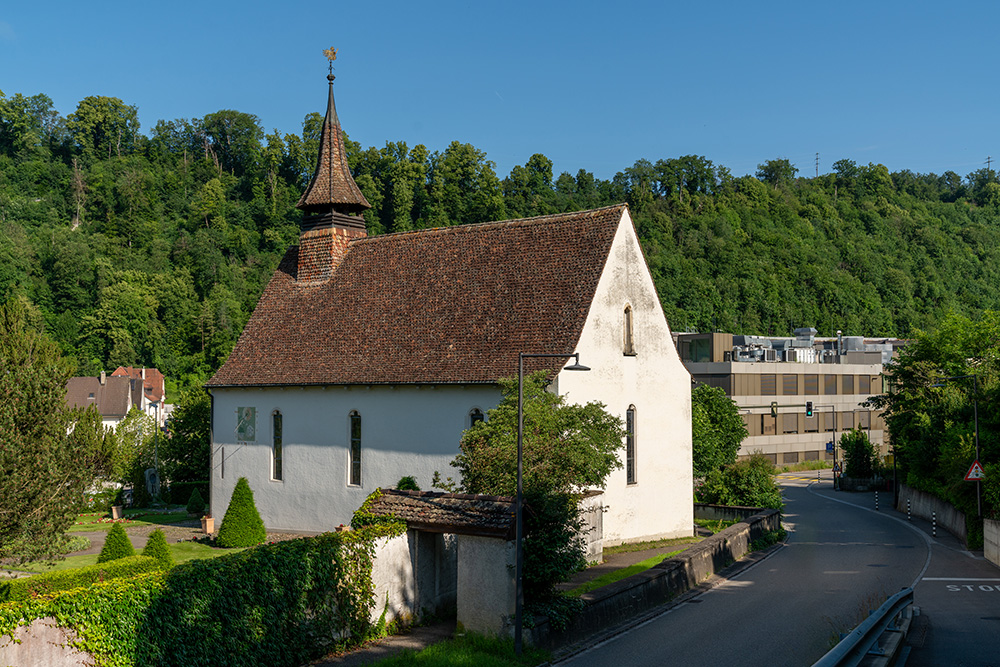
x,y
116,512
208,525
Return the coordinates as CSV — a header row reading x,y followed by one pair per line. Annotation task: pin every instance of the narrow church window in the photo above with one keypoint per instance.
x,y
476,416
630,445
629,346
276,446
222,463
355,448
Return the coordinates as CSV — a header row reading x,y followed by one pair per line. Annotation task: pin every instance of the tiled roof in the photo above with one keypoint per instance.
x,y
459,513
152,385
332,185
450,305
111,398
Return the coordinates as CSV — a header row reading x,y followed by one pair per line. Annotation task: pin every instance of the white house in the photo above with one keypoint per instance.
x,y
367,357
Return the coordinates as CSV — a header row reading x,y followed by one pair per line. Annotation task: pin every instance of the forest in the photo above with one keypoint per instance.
x,y
151,249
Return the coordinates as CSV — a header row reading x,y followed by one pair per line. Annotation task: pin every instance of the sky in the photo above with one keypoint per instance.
x,y
591,85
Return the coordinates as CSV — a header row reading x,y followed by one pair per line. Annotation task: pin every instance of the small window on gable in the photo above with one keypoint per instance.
x,y
90,396
629,342
476,416
355,463
630,476
276,436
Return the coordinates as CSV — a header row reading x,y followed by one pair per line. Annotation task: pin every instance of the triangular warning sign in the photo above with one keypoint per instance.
x,y
975,473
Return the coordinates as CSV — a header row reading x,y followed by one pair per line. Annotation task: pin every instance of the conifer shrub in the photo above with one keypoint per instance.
x,y
196,504
156,547
241,526
116,545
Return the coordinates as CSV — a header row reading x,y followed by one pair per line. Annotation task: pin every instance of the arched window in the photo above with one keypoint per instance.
x,y
475,416
628,342
355,466
276,427
630,477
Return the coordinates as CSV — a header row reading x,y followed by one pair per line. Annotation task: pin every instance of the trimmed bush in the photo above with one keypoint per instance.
x,y
156,547
64,580
407,483
116,545
196,504
241,527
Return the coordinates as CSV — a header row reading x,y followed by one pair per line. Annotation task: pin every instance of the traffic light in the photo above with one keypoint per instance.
x,y
774,409
809,408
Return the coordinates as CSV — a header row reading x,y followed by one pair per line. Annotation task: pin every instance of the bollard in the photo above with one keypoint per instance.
x,y
933,524
909,517
876,501
817,475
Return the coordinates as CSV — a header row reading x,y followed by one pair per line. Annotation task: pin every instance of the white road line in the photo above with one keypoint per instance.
x,y
958,579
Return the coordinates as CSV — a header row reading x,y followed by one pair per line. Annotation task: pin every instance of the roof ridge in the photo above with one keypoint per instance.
x,y
548,218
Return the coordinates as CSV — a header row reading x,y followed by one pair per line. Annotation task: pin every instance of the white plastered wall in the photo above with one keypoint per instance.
x,y
405,430
659,503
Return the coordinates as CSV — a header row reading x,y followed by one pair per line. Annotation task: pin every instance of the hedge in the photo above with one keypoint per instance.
x,y
62,580
276,604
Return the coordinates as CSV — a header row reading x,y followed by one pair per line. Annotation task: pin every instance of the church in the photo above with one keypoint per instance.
x,y
367,357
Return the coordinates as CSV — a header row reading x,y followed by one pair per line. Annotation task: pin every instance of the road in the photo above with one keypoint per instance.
x,y
841,559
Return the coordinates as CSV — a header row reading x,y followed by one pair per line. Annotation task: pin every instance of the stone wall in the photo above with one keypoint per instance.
x,y
486,591
415,573
42,644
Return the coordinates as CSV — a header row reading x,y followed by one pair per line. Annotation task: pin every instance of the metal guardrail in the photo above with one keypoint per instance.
x,y
863,640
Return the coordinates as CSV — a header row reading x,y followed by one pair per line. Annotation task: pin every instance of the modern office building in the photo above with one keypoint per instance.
x,y
773,379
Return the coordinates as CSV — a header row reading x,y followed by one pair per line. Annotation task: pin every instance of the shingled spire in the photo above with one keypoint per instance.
x,y
332,202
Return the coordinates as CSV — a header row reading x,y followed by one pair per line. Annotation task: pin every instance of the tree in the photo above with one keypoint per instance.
x,y
116,545
717,429
104,126
156,547
566,448
746,483
186,454
43,471
860,459
241,526
776,172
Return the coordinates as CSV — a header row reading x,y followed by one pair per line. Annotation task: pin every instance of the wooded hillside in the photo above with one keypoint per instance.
x,y
152,249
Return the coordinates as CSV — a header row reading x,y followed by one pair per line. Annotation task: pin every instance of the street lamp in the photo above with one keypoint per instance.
x,y
975,418
519,520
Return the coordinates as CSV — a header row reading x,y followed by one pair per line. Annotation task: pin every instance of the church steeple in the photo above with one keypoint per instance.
x,y
332,203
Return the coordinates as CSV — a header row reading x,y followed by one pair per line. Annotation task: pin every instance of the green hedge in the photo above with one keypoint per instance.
x,y
276,604
62,580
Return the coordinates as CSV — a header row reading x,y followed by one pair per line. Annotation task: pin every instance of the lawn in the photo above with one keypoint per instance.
x,y
618,575
103,521
181,551
468,649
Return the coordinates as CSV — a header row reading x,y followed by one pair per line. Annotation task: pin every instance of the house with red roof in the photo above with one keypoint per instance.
x,y
367,357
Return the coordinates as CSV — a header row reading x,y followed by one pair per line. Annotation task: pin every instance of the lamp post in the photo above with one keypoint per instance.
x,y
975,421
519,514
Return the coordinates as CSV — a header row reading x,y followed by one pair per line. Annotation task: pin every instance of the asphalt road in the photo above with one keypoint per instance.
x,y
841,559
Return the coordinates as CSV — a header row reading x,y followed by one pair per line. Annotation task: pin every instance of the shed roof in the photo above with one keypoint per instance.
x,y
458,513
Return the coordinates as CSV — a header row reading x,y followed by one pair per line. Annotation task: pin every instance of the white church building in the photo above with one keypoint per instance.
x,y
367,357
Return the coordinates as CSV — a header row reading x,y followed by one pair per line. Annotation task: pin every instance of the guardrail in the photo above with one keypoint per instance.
x,y
863,641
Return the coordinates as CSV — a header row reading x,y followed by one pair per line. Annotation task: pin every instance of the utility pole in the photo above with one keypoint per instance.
x,y
988,160
817,165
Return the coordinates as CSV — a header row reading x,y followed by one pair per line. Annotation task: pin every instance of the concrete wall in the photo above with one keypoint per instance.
x,y
991,541
592,513
415,574
42,644
405,430
611,605
653,380
924,504
486,587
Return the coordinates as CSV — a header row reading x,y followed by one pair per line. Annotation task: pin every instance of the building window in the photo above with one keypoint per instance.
x,y
848,383
812,385
790,423
630,445
276,446
864,384
355,479
222,462
768,384
629,345
830,384
476,416
790,384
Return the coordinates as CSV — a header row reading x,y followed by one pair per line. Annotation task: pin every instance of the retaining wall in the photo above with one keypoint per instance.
x,y
991,541
923,504
613,604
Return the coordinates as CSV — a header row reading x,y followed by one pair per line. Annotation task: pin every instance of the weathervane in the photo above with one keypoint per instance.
x,y
331,55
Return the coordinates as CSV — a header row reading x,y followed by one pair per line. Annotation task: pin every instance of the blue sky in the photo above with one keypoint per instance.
x,y
911,85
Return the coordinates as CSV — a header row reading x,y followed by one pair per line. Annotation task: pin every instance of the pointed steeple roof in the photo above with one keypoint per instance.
x,y
332,188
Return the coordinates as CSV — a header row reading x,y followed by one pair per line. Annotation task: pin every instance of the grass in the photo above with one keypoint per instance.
x,y
805,465
181,551
655,544
715,525
90,521
468,649
617,575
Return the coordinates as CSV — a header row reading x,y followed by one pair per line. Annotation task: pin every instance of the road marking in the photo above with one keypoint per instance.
x,y
958,579
955,588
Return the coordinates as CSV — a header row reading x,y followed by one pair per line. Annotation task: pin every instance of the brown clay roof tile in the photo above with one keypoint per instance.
x,y
448,305
460,513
